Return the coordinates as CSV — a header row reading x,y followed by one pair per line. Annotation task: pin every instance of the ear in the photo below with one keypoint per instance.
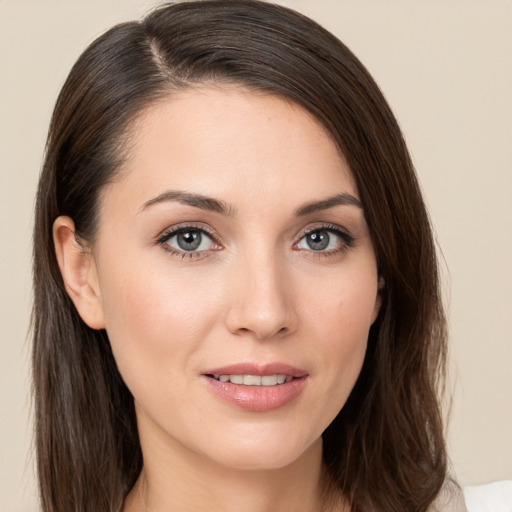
x,y
378,301
79,273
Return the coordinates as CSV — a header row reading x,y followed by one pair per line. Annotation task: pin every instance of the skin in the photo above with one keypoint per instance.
x,y
255,292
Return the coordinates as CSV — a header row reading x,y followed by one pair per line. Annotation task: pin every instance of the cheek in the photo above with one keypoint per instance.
x,y
154,320
343,309
344,355
342,321
349,327
344,349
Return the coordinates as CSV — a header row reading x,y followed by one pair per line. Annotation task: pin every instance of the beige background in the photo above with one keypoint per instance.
x,y
446,68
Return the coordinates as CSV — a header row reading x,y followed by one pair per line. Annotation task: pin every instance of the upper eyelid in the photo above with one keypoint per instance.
x,y
326,226
172,230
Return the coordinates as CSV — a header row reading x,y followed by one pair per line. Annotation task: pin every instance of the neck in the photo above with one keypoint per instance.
x,y
177,479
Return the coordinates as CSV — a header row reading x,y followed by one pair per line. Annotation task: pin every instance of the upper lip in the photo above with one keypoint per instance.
x,y
258,369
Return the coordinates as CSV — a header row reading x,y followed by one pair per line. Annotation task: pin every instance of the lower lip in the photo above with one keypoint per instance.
x,y
258,398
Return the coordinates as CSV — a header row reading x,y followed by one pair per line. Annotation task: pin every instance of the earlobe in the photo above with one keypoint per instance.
x,y
79,273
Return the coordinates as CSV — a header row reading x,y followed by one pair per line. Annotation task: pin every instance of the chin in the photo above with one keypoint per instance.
x,y
262,452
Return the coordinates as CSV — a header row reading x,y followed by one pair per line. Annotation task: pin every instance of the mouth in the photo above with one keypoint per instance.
x,y
257,388
254,380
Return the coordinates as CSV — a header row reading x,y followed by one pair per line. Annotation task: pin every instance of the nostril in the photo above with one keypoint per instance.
x,y
260,318
260,333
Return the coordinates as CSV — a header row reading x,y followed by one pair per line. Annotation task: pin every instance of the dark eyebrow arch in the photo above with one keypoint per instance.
x,y
337,200
197,200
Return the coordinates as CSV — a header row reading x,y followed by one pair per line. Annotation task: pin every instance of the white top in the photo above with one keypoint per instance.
x,y
493,497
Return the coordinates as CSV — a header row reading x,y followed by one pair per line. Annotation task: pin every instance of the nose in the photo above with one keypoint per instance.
x,y
261,302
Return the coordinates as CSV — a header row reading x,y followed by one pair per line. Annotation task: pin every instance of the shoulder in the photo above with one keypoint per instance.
x,y
450,499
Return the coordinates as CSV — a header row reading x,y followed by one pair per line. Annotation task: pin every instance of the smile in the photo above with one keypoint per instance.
x,y
255,380
257,387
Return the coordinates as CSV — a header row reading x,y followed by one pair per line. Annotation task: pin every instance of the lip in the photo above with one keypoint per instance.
x,y
258,369
257,398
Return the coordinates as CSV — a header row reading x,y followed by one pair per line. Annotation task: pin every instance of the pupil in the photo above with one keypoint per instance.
x,y
189,240
318,240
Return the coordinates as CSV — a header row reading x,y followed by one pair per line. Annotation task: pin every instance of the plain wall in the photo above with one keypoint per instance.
x,y
446,69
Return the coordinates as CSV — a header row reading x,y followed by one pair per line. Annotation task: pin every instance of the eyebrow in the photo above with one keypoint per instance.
x,y
218,206
337,200
197,200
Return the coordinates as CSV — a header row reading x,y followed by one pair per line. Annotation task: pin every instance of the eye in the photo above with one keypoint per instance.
x,y
188,239
325,239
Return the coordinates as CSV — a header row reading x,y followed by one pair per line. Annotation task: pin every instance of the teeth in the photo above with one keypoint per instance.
x,y
270,380
236,379
251,380
254,380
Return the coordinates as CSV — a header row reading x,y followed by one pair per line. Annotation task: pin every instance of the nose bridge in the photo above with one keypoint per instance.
x,y
261,301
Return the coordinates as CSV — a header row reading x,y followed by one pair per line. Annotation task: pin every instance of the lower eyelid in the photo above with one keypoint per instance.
x,y
188,255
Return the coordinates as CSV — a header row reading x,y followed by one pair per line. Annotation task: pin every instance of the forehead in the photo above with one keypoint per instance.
x,y
216,141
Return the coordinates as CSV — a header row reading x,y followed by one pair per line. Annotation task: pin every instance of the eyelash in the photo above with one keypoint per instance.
x,y
191,255
348,241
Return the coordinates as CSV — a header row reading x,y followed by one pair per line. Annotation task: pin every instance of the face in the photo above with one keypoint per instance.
x,y
236,277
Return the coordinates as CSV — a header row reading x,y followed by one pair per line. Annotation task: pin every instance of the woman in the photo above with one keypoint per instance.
x,y
236,291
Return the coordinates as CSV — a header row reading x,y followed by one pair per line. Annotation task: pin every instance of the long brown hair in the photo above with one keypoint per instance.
x,y
385,450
